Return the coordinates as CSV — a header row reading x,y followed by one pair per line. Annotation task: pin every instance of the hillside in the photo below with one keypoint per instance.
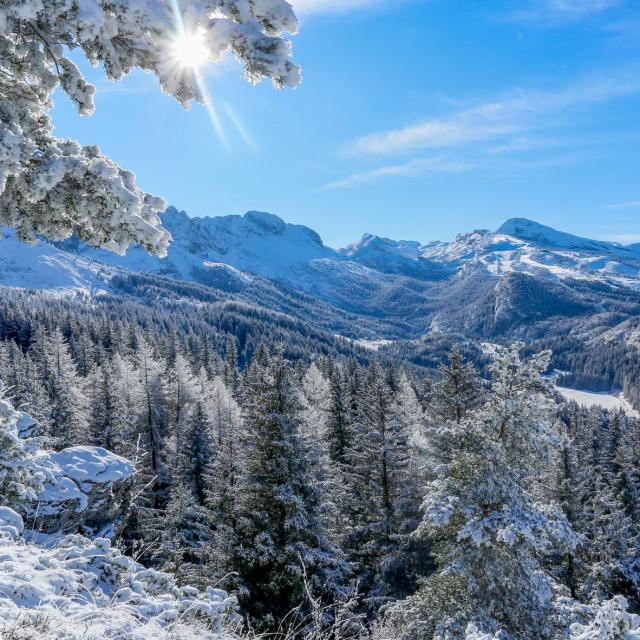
x,y
523,281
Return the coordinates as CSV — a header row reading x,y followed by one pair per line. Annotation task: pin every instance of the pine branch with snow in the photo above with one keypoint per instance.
x,y
57,187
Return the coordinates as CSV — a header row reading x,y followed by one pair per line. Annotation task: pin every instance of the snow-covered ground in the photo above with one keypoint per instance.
x,y
70,587
610,401
374,345
43,266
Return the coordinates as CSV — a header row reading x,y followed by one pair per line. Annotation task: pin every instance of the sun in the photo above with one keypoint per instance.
x,y
190,50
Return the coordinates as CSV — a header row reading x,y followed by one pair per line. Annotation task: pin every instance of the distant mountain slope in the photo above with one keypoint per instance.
x,y
403,257
43,266
540,234
483,283
528,247
374,269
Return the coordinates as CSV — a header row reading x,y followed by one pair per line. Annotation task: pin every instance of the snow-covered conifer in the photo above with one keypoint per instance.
x,y
57,187
480,511
20,479
69,423
279,539
457,391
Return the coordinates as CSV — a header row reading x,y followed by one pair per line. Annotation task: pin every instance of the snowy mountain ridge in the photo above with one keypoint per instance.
x,y
404,284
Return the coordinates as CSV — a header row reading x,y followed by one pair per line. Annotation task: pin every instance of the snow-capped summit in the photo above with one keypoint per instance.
x,y
371,274
541,234
526,246
257,242
370,244
402,257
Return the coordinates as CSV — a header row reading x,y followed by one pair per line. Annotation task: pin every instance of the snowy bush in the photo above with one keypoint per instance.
x,y
57,187
473,633
87,589
612,621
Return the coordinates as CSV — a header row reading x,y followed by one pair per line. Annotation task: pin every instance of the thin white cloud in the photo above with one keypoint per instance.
x,y
524,143
411,169
631,204
555,12
510,115
305,7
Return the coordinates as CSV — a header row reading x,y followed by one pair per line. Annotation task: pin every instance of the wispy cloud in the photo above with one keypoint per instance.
x,y
524,143
512,114
413,168
555,12
305,7
631,204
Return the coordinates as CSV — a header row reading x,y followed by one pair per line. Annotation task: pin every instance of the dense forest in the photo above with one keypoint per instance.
x,y
338,495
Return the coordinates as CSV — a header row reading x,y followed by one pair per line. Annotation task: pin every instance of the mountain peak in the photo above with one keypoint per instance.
x,y
526,229
266,221
531,231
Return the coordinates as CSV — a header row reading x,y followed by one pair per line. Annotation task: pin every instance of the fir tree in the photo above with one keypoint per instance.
x,y
457,391
481,513
383,498
69,411
279,535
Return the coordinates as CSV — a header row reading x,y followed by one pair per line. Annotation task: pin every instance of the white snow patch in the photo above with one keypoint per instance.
x,y
373,345
87,589
610,401
43,266
93,464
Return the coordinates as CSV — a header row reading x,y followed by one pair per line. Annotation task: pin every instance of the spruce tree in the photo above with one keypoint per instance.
x,y
481,513
222,490
457,391
69,410
280,544
383,498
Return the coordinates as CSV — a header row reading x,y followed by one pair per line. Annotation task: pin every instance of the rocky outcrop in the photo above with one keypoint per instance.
x,y
79,489
87,489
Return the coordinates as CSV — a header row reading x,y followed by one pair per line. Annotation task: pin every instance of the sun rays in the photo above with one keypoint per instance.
x,y
189,51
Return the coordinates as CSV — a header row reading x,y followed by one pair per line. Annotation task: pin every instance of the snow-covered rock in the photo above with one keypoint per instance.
x,y
11,524
76,489
87,488
81,588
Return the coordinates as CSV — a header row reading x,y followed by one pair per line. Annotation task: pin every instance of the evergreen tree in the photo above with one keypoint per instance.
x,y
280,543
153,423
20,477
457,391
383,499
222,490
338,428
231,369
109,414
181,541
69,410
481,513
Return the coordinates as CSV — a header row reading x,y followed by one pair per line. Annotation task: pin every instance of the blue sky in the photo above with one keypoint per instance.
x,y
416,119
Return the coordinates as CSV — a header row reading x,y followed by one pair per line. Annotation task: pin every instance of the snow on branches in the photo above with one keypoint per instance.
x,y
57,187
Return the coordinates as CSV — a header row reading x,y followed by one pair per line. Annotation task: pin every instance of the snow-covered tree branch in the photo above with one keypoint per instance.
x,y
57,187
